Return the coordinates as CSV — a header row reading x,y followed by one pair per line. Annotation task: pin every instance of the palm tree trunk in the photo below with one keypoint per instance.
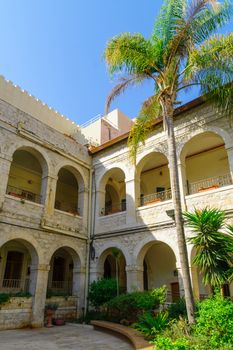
x,y
175,189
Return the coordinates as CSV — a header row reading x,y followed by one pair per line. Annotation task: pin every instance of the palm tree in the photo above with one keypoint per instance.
x,y
117,255
180,53
214,249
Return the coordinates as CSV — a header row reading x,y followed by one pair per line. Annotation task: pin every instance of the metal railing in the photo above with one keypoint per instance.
x,y
210,183
155,197
113,209
15,285
66,207
61,287
23,194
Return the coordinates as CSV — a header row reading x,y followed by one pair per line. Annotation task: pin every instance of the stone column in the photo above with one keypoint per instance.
x,y
38,288
83,204
180,280
5,164
79,276
100,203
134,275
131,200
49,186
195,282
95,272
230,160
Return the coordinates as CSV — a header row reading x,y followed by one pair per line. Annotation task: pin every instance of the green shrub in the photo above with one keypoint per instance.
x,y
160,294
215,321
130,306
177,309
150,325
165,343
102,291
4,298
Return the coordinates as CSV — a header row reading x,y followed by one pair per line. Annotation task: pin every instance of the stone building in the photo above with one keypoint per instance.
x,y
64,205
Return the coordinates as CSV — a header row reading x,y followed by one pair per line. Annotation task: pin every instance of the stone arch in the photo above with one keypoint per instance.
x,y
28,174
145,244
69,190
19,258
76,169
65,275
74,252
36,151
111,188
182,146
205,162
101,253
161,268
116,265
153,172
106,173
30,243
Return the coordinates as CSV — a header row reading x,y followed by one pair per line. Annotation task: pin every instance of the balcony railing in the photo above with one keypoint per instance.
x,y
113,209
15,285
66,207
210,183
61,287
23,194
155,197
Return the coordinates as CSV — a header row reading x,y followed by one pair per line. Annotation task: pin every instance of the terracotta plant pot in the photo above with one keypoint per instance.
x,y
59,322
50,314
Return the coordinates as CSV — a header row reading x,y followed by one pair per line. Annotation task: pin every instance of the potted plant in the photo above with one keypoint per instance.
x,y
50,311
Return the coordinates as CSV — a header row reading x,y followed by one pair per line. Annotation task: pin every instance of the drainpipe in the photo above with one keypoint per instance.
x,y
89,230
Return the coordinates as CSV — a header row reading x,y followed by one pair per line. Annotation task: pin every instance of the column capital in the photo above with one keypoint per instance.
x,y
134,268
40,267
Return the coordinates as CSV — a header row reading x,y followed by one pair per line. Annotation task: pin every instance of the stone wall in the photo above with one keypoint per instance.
x,y
16,313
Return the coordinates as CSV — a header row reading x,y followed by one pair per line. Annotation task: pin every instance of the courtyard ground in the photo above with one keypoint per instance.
x,y
69,337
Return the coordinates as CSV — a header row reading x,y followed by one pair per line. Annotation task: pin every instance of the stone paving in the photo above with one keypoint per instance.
x,y
69,337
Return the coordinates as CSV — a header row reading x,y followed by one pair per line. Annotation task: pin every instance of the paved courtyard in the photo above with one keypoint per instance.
x,y
69,337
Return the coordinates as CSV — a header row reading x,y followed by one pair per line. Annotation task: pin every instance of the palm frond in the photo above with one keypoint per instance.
x,y
130,52
211,67
209,20
150,110
214,249
124,83
167,21
183,41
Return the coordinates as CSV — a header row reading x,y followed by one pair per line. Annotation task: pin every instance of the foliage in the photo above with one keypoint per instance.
x,y
213,329
101,291
51,306
130,306
4,298
215,321
150,325
177,309
166,343
160,294
214,249
181,52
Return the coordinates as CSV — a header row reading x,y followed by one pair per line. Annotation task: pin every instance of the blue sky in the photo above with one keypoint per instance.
x,y
54,50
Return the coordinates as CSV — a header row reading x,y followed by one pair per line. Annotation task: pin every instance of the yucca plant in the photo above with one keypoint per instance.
x,y
181,52
150,325
214,248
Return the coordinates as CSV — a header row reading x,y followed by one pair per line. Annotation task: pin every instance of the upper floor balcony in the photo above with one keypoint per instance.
x,y
33,196
205,177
